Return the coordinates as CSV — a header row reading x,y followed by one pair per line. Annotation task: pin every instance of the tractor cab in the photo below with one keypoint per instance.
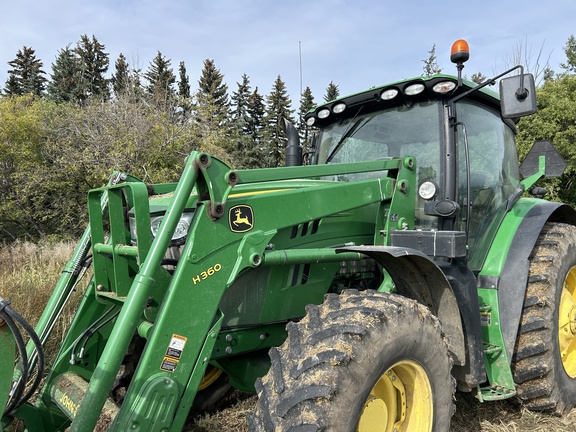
x,y
467,169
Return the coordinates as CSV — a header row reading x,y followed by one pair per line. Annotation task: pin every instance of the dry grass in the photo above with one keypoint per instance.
x,y
28,273
471,415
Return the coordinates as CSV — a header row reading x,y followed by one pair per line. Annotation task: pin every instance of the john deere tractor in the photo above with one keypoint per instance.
x,y
356,292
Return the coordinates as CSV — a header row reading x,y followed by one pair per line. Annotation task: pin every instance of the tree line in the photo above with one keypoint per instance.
x,y
63,135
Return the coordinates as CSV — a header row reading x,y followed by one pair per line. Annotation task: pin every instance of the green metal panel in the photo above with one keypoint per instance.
x,y
497,360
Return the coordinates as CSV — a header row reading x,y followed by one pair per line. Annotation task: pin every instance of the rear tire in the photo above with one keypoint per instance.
x,y
544,364
213,393
359,361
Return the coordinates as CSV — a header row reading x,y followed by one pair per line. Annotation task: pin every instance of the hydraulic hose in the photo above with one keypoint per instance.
x,y
19,396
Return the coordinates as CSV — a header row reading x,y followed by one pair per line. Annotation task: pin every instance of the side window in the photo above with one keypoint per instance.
x,y
493,172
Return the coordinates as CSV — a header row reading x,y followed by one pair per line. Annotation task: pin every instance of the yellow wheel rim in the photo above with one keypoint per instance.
x,y
401,400
211,375
567,324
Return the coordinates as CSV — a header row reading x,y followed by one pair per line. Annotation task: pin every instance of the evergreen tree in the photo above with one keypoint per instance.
x,y
332,92
26,75
305,131
184,99
184,82
65,83
430,64
161,78
121,78
212,86
12,86
278,107
246,152
212,100
240,98
212,111
93,64
255,128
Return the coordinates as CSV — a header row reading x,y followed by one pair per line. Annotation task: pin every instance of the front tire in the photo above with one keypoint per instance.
x,y
360,361
544,364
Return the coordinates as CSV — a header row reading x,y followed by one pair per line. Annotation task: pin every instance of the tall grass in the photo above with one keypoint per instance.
x,y
28,273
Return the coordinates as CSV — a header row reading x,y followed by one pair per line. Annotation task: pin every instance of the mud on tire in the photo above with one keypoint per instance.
x,y
544,364
326,374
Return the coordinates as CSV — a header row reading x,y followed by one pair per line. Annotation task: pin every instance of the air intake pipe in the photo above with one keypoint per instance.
x,y
293,149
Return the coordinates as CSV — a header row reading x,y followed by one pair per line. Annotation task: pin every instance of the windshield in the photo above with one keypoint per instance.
x,y
394,132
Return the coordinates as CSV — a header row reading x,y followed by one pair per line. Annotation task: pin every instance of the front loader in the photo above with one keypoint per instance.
x,y
353,293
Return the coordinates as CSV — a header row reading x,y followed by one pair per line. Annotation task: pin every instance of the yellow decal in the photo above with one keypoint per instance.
x,y
207,273
240,218
69,404
176,346
169,364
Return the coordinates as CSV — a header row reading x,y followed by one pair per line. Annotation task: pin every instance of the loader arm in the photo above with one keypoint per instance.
x,y
177,313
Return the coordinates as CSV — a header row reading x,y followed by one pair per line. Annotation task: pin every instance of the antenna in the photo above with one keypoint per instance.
x,y
300,53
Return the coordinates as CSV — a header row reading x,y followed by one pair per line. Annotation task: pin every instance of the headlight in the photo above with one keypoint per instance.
x,y
427,190
414,89
155,220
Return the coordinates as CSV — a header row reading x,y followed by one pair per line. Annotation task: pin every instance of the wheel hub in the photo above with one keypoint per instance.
x,y
401,400
567,324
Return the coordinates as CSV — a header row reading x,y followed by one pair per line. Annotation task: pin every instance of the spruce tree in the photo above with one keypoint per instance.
x,y
211,85
64,85
255,127
278,107
245,151
121,78
161,79
26,75
93,64
332,92
184,99
305,131
12,86
183,82
211,111
212,100
239,113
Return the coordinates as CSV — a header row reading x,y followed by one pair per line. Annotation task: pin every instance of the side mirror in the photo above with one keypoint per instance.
x,y
518,96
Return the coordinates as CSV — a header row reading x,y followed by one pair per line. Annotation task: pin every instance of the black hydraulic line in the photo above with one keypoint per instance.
x,y
39,349
94,330
85,333
21,345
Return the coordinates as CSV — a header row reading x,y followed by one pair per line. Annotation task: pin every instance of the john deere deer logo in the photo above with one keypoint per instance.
x,y
241,218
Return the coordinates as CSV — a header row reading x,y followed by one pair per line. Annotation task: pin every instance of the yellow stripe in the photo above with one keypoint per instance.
x,y
245,194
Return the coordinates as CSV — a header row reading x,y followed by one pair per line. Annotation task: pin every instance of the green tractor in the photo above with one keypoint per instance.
x,y
354,293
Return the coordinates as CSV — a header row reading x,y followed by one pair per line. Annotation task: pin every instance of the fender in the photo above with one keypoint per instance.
x,y
509,276
417,277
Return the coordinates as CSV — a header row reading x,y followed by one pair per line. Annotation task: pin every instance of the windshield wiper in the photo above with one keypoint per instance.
x,y
349,132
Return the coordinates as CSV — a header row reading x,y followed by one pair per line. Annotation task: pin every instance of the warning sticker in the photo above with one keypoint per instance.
x,y
169,364
176,346
485,318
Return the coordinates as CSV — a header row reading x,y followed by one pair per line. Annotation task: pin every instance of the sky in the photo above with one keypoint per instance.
x,y
355,44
